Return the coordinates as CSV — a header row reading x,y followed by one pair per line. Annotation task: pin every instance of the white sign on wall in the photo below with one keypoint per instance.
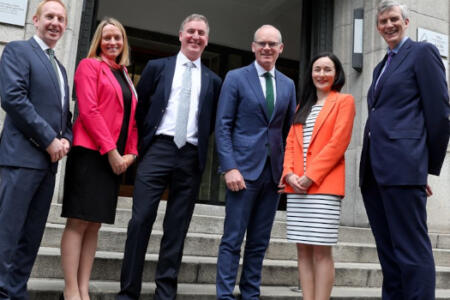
x,y
438,39
13,11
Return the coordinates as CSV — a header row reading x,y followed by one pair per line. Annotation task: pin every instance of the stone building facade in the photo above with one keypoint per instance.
x,y
306,27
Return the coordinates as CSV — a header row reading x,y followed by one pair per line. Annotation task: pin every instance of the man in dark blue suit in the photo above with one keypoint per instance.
x,y
170,155
37,133
405,139
255,110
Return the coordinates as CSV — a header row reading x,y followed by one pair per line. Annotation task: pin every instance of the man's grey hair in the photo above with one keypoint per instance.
x,y
195,17
268,26
388,5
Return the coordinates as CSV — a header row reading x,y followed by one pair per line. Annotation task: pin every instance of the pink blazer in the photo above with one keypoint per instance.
x,y
100,105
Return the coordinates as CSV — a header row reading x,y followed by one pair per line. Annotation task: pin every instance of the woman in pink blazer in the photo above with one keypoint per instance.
x,y
104,146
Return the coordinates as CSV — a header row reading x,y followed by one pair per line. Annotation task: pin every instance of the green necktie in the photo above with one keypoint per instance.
x,y
269,93
51,55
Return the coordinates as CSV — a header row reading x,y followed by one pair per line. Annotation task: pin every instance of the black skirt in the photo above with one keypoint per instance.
x,y
90,187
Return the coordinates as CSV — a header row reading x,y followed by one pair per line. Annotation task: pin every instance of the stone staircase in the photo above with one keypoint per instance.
x,y
358,274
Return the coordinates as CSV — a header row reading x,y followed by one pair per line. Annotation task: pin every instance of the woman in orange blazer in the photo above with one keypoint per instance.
x,y
314,172
104,146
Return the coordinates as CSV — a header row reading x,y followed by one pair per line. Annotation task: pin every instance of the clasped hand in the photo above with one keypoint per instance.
x,y
58,148
119,163
300,184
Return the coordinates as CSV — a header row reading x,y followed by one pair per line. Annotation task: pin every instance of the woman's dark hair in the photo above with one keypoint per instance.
x,y
309,94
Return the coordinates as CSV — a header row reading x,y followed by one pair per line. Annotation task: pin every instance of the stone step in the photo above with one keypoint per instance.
x,y
196,269
50,289
209,219
201,221
203,244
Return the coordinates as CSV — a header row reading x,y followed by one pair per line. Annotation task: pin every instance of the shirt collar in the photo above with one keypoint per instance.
x,y
396,49
41,43
261,71
182,59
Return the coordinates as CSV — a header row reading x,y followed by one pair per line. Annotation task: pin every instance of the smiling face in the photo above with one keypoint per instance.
x,y
267,47
194,39
50,23
323,74
112,41
391,26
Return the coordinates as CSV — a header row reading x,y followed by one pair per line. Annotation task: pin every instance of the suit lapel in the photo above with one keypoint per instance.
x,y
323,114
46,62
255,85
298,129
169,72
112,79
395,63
376,73
279,83
204,86
66,84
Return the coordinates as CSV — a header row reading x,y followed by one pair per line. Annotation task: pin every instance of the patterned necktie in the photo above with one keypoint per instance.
x,y
51,55
183,107
269,93
386,65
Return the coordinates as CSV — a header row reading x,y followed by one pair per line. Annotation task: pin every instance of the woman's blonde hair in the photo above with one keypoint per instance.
x,y
95,49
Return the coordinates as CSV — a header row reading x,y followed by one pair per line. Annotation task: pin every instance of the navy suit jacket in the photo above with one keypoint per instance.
x,y
244,132
407,129
154,91
31,97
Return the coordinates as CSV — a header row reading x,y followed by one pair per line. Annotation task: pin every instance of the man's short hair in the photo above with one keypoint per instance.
x,y
42,3
389,4
280,39
195,17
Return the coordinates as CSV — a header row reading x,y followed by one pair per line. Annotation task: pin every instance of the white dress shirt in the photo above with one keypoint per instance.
x,y
44,48
261,71
168,122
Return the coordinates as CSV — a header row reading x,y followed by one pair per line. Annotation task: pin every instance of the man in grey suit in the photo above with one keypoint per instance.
x,y
37,133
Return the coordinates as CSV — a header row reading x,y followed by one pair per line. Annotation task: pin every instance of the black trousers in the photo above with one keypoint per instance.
x,y
162,165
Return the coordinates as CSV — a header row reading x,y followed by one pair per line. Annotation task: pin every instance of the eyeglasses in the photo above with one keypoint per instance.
x,y
270,44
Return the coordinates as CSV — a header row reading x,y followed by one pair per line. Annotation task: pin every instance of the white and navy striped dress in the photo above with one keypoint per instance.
x,y
312,219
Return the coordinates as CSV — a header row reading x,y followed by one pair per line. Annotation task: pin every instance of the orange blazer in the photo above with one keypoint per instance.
x,y
325,163
100,105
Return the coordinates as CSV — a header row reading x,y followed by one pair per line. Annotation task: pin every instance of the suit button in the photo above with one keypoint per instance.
x,y
368,134
373,108
162,110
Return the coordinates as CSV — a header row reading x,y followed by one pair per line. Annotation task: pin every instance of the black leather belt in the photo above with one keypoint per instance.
x,y
164,137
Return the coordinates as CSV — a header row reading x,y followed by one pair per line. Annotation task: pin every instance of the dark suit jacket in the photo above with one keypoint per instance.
x,y
31,97
408,120
154,91
244,132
